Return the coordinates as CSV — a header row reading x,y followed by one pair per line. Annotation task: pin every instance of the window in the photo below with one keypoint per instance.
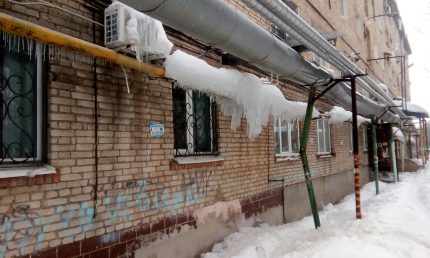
x,y
359,26
351,137
287,137
323,136
22,130
365,140
193,123
344,8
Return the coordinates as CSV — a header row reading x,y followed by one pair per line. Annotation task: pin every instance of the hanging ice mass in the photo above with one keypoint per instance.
x,y
239,95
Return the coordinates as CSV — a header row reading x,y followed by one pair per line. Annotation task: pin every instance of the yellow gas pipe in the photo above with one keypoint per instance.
x,y
38,33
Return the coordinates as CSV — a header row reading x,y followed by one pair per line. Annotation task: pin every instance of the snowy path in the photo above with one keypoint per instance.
x,y
396,223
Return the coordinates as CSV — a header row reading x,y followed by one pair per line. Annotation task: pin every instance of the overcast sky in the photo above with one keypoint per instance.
x,y
416,18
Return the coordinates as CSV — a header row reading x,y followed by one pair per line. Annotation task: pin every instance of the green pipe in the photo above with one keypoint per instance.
x,y
375,154
303,144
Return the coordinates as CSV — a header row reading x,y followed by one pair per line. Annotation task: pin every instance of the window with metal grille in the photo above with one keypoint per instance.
x,y
22,103
323,136
287,139
194,123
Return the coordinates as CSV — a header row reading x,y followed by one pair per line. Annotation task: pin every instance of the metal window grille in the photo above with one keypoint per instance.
x,y
194,120
21,132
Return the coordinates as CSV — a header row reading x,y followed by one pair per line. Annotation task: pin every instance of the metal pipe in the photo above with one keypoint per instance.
x,y
303,144
38,33
290,18
375,154
218,24
355,151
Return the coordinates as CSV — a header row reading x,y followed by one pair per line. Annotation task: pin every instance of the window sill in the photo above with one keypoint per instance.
x,y
196,162
30,171
287,157
325,155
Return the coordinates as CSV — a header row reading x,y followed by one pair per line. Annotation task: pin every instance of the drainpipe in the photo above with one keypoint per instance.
x,y
303,144
375,154
38,33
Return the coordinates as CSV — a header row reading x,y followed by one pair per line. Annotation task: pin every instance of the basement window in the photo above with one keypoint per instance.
x,y
23,134
194,123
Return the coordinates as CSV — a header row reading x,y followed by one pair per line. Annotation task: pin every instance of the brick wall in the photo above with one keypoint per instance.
x,y
140,195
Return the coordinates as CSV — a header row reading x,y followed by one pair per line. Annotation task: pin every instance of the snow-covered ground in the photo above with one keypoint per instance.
x,y
396,223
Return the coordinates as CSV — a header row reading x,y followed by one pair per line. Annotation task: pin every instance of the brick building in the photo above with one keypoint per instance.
x,y
81,175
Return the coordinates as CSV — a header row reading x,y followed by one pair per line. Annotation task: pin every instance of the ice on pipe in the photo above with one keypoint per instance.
x,y
340,115
237,93
398,134
146,34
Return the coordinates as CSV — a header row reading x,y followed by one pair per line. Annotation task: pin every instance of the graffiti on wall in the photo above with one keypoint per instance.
x,y
21,228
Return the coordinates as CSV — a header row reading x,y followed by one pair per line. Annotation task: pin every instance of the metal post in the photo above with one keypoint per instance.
x,y
303,144
394,159
355,149
375,155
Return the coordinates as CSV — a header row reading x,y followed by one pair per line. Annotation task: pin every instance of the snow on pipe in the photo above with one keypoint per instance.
x,y
340,115
364,105
238,94
310,38
218,24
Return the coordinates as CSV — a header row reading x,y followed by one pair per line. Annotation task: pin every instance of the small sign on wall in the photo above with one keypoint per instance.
x,y
156,130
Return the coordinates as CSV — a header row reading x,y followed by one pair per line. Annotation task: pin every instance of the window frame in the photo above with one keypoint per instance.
x,y
190,150
326,129
278,138
37,56
365,139
344,8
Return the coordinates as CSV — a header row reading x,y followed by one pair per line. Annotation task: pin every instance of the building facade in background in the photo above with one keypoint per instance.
x,y
89,169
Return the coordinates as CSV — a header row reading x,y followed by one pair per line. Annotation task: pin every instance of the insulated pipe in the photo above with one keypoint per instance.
x,y
38,33
291,19
218,24
365,105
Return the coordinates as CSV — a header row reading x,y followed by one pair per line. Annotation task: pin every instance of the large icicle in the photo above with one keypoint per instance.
x,y
239,94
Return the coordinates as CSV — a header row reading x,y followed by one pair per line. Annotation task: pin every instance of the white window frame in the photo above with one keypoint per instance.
x,y
365,140
190,111
278,138
351,137
325,129
344,8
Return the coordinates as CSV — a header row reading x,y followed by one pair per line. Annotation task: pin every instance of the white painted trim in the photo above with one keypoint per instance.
x,y
197,159
9,172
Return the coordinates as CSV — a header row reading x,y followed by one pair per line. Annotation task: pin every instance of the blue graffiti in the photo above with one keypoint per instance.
x,y
116,208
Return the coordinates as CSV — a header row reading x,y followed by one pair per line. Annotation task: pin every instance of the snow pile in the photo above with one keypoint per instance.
x,y
397,134
146,34
395,224
340,115
238,94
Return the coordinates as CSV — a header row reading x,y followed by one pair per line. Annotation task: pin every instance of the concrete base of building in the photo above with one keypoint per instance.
x,y
192,242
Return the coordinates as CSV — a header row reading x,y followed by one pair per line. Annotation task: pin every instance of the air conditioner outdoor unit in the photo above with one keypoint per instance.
x,y
134,33
115,21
